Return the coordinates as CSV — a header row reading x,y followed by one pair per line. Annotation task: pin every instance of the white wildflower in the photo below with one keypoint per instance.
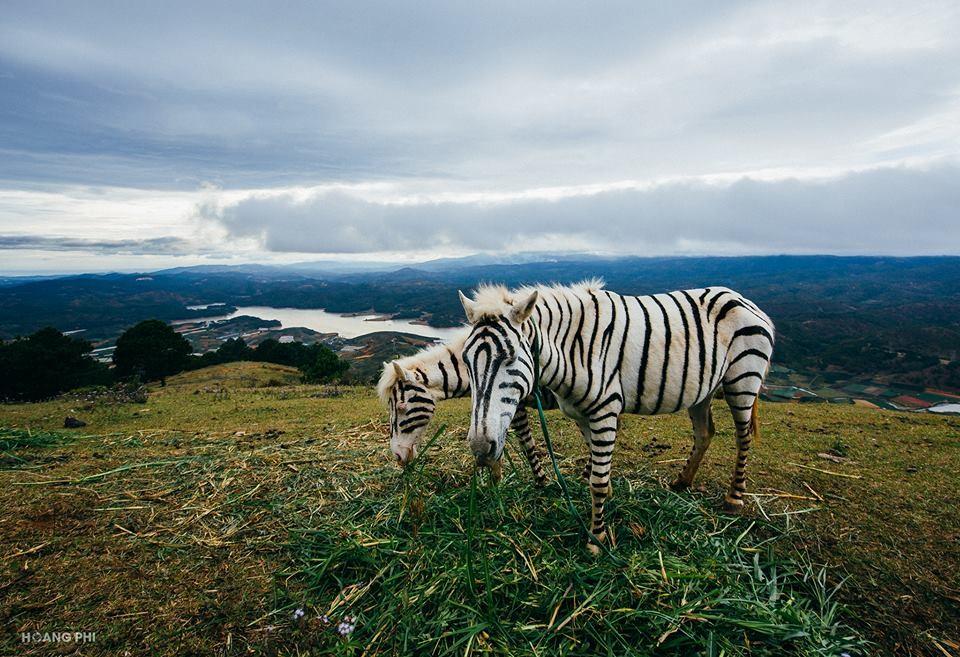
x,y
347,625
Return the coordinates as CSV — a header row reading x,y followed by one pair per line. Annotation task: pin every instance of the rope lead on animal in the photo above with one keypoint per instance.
x,y
553,458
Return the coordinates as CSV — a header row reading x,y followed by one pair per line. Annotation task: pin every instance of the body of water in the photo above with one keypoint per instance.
x,y
945,408
205,306
346,326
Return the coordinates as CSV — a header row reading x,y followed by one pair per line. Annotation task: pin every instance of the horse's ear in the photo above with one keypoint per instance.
x,y
469,307
524,308
399,371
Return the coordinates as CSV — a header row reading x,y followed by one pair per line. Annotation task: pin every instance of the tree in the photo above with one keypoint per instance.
x,y
323,365
46,364
272,351
233,350
151,350
316,362
284,353
230,351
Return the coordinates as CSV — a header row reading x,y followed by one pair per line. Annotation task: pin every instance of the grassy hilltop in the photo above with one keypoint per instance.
x,y
201,521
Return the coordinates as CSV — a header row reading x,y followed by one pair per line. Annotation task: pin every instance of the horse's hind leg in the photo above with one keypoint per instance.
x,y
702,418
743,406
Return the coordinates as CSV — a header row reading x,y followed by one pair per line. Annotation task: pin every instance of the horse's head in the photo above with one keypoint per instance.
x,y
499,360
411,407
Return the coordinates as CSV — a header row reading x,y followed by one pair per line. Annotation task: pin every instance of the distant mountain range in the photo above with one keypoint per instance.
x,y
341,267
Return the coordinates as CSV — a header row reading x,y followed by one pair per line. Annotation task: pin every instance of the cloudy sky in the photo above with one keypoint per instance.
x,y
146,134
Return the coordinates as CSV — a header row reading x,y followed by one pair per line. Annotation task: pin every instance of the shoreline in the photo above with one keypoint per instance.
x,y
347,326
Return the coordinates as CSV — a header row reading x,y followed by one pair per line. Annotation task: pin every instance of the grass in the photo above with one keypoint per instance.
x,y
457,567
840,448
199,522
13,439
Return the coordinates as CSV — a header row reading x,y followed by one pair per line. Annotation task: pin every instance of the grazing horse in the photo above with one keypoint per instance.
x,y
604,354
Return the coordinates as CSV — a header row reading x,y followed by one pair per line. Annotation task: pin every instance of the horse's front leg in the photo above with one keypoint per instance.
x,y
521,427
603,435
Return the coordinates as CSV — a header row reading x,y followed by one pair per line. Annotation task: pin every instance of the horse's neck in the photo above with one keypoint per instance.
x,y
552,356
444,378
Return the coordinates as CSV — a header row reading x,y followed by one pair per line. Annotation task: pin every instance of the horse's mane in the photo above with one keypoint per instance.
x,y
492,300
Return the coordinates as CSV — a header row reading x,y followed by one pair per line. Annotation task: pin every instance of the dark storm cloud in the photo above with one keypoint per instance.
x,y
888,210
152,246
248,95
507,94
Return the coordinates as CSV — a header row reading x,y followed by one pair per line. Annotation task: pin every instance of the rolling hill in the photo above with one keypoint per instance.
x,y
205,518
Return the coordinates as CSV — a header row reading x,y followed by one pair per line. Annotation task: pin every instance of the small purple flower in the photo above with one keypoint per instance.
x,y
298,614
325,619
347,625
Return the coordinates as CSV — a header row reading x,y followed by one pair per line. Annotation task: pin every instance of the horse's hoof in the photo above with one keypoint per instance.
x,y
732,506
594,545
679,485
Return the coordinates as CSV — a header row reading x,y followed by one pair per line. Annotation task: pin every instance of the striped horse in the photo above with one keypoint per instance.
x,y
411,387
604,354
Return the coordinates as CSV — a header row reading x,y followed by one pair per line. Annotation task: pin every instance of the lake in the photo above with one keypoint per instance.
x,y
346,326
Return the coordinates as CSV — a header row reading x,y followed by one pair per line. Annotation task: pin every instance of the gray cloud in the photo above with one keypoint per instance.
x,y
493,98
890,210
150,246
498,94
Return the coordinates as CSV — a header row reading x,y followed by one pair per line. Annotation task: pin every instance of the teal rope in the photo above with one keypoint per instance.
x,y
553,458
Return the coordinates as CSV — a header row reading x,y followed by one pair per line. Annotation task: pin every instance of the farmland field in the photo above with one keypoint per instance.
x,y
239,512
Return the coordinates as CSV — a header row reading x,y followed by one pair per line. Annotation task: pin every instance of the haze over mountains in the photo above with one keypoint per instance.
x,y
331,267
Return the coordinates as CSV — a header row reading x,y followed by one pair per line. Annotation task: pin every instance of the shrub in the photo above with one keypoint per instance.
x,y
151,350
324,365
46,364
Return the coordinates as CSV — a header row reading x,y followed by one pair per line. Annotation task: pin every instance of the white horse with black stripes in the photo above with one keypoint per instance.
x,y
604,354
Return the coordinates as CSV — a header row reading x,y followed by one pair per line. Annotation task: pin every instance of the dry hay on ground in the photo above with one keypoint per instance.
x,y
205,521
